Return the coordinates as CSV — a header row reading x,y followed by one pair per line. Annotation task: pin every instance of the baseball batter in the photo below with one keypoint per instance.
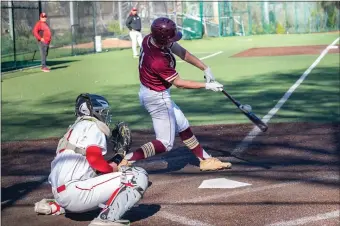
x,y
157,73
81,179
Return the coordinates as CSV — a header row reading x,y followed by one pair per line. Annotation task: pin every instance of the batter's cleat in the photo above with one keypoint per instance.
x,y
48,207
125,162
213,164
100,222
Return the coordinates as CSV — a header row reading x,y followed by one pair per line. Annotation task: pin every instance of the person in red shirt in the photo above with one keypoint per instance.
x,y
157,73
42,33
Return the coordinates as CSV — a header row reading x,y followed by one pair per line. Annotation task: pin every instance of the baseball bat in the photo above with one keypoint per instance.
x,y
251,116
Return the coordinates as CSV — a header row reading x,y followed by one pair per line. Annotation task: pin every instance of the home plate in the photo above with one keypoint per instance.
x,y
222,183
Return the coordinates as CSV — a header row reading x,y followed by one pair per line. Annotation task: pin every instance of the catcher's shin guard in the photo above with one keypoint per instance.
x,y
127,195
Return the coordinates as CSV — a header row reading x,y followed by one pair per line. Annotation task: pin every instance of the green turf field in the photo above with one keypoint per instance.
x,y
39,105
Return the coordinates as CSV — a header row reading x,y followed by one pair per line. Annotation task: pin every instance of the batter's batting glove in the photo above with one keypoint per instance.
x,y
214,86
209,77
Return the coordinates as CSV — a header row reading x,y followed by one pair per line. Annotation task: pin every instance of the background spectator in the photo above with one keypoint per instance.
x,y
133,22
43,34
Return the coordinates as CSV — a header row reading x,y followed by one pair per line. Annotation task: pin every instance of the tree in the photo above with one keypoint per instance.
x,y
330,8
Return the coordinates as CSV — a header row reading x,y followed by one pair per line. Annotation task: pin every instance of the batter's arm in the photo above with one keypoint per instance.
x,y
187,84
185,55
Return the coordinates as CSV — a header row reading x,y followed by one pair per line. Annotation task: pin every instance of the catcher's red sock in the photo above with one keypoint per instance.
x,y
148,150
190,140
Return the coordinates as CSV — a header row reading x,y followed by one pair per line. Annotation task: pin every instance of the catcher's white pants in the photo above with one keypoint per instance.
x,y
136,37
82,196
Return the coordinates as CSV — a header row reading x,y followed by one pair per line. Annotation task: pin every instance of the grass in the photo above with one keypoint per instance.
x,y
39,105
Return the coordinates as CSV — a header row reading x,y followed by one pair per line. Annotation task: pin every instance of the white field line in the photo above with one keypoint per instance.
x,y
308,220
201,52
235,193
253,133
180,219
206,57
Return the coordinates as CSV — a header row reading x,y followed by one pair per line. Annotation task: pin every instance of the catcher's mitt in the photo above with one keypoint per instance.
x,y
121,138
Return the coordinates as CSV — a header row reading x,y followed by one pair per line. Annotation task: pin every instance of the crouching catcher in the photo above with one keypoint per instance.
x,y
81,179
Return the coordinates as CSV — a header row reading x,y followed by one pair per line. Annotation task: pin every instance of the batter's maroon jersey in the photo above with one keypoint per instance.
x,y
156,66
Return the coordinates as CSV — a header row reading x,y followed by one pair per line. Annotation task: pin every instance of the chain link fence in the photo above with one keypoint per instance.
x,y
18,46
81,27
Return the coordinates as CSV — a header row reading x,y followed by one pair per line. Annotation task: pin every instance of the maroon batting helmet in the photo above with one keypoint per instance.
x,y
164,31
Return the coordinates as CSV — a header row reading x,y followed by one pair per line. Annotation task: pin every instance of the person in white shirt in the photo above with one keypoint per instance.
x,y
134,24
81,179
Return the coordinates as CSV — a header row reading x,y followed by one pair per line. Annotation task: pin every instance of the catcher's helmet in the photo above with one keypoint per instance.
x,y
93,105
164,31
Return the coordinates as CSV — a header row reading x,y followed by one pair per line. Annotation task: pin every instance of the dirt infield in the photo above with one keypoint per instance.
x,y
302,181
106,44
287,50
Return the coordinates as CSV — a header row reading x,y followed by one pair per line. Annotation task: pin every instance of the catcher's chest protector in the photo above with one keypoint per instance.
x,y
65,144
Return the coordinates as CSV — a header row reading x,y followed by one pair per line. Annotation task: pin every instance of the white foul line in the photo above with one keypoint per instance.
x,y
206,57
211,55
306,220
252,134
179,219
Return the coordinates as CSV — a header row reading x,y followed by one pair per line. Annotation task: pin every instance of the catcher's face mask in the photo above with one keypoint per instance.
x,y
104,115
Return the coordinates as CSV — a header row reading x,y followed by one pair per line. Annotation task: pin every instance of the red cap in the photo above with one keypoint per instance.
x,y
134,9
43,15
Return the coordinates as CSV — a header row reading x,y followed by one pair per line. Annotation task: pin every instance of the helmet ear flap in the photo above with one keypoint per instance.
x,y
84,97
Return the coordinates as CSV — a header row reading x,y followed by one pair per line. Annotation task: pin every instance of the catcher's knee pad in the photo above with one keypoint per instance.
x,y
134,183
139,178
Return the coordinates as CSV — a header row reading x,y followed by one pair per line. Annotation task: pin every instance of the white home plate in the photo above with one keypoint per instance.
x,y
222,183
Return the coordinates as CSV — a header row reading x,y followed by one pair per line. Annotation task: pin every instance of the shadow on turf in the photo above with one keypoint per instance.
x,y
59,67
312,103
53,64
136,213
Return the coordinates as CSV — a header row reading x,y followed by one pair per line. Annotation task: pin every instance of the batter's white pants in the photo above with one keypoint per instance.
x,y
83,196
136,36
167,117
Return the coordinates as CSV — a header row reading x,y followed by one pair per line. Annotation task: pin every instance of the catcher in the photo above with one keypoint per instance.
x,y
81,179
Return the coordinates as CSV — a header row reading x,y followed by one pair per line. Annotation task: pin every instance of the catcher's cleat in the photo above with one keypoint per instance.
x,y
48,207
213,164
100,222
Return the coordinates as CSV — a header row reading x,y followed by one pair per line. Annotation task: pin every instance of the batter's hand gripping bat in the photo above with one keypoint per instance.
x,y
246,109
